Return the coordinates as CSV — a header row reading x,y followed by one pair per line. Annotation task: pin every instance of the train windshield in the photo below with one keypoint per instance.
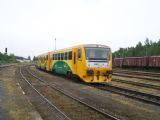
x,y
97,53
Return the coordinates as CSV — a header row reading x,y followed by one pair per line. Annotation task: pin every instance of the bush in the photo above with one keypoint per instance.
x,y
4,58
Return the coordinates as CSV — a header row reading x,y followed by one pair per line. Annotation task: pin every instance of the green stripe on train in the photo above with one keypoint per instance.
x,y
61,67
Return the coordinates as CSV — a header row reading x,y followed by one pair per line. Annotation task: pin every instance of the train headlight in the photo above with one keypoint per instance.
x,y
90,72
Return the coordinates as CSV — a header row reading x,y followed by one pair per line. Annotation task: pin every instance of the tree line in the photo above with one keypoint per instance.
x,y
149,48
4,58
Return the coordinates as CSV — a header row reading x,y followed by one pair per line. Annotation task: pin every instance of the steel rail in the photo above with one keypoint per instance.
x,y
49,102
138,84
134,76
156,74
76,99
152,99
149,74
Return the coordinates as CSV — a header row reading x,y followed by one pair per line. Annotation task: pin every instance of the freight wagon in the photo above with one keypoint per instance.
x,y
154,61
118,62
146,61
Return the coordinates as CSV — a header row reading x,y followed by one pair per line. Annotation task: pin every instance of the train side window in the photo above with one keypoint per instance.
x,y
70,55
79,54
59,56
62,55
53,57
66,55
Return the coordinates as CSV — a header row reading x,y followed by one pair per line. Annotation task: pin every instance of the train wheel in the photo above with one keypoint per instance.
x,y
53,71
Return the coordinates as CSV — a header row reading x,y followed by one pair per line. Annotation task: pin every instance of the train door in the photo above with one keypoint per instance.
x,y
79,62
74,60
48,62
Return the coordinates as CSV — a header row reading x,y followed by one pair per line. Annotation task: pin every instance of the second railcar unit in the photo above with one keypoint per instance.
x,y
90,62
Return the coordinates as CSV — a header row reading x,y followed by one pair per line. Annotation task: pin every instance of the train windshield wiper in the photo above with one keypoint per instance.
x,y
98,59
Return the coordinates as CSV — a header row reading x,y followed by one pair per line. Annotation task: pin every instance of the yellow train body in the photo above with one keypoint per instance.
x,y
92,63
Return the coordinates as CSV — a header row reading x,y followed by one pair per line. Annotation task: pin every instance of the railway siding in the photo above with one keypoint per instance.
x,y
138,81
153,76
150,82
137,84
123,90
106,101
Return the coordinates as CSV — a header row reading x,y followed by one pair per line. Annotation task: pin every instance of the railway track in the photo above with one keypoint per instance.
x,y
60,115
137,74
55,87
145,97
153,74
137,83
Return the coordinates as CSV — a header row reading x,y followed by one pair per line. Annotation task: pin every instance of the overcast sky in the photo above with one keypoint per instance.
x,y
29,27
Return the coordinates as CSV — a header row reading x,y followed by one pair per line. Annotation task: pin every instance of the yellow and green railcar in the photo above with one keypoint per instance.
x,y
41,61
90,62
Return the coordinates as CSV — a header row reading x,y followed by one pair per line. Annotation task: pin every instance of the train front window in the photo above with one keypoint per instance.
x,y
97,53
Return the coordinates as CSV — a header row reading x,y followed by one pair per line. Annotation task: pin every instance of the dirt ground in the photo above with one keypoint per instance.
x,y
14,104
118,105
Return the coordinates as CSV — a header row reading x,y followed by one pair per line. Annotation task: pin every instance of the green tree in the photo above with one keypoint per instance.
x,y
149,48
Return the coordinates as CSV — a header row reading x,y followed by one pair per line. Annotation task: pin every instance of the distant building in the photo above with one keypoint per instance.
x,y
22,59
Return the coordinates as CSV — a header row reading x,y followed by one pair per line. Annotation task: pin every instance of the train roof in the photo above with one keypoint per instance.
x,y
94,45
83,45
69,48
